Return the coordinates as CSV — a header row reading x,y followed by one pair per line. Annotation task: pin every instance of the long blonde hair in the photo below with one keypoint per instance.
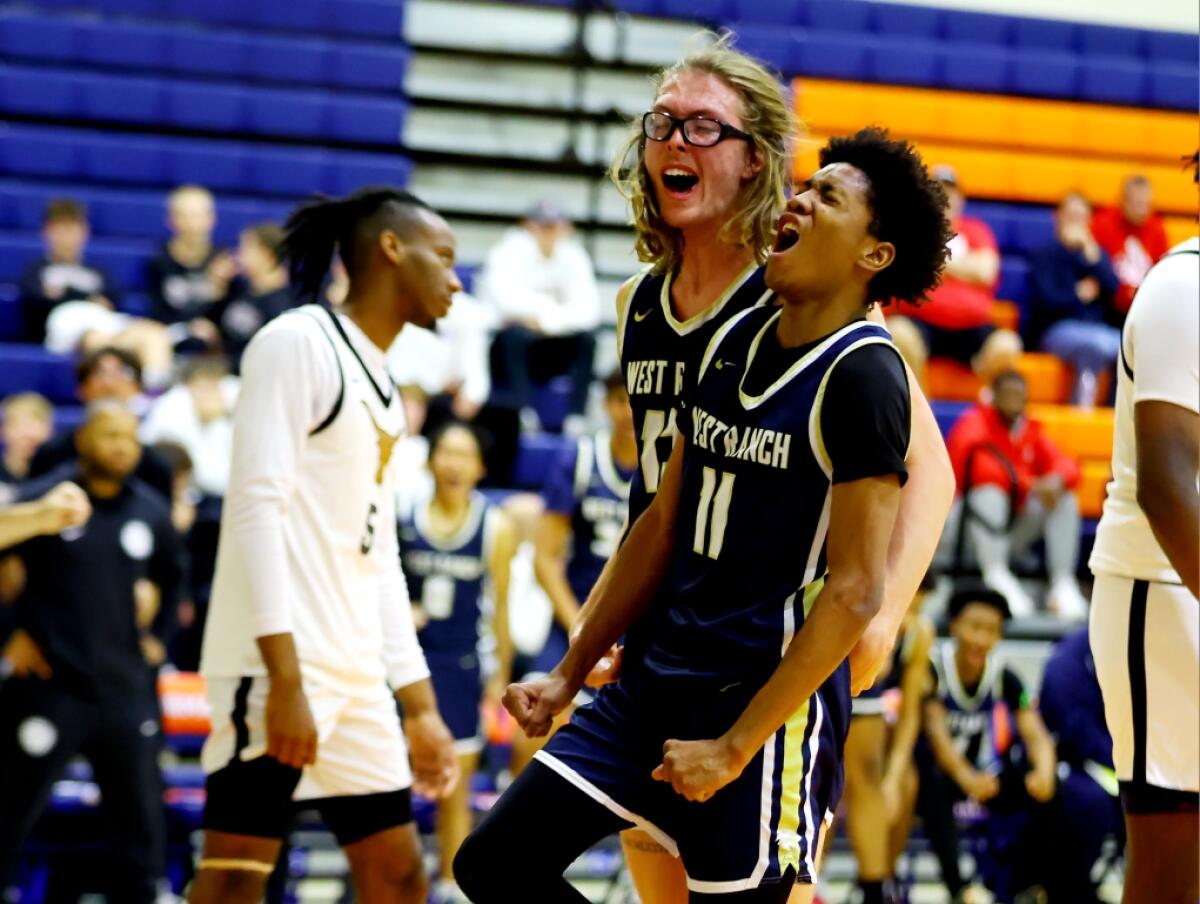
x,y
766,115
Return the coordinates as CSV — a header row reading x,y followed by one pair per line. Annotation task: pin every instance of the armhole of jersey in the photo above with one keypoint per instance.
x,y
624,302
1124,357
583,465
491,519
815,437
716,341
337,405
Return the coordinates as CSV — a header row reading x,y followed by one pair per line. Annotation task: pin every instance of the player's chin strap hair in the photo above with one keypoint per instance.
x,y
322,225
233,863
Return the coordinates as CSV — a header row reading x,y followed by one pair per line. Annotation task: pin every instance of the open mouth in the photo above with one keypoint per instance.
x,y
787,235
678,180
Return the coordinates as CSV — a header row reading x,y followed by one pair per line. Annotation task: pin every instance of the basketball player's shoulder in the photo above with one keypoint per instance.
x,y
625,296
298,332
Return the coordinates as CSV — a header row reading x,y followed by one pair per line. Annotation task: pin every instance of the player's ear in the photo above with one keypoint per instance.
x,y
391,246
754,163
878,256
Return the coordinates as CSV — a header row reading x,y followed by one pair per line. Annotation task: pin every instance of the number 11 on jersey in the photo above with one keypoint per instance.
x,y
710,528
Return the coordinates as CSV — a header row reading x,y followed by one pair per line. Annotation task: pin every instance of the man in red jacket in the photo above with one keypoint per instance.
x,y
1134,237
989,446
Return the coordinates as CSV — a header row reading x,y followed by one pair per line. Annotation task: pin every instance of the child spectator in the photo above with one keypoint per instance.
x,y
1072,284
955,320
1133,235
70,304
261,294
28,421
189,276
1015,487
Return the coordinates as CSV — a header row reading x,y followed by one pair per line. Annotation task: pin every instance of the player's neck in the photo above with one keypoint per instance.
x,y
271,281
377,319
709,265
449,509
189,251
807,320
969,675
100,487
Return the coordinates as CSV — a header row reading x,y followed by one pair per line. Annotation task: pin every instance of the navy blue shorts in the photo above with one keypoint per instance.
x,y
458,683
752,830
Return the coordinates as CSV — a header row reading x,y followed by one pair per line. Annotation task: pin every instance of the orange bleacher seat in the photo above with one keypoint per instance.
x,y
184,703
1179,229
1093,480
1006,315
1048,378
950,381
1087,434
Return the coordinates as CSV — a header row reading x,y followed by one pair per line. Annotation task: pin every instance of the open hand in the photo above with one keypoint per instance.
x,y
980,786
534,704
698,769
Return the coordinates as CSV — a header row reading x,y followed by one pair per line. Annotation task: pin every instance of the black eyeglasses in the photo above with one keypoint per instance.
x,y
699,131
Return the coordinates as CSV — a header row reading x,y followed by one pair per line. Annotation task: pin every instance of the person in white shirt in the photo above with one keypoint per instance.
x,y
1145,618
542,286
310,621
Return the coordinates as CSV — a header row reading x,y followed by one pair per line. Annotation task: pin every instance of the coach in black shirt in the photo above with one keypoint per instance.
x,y
80,680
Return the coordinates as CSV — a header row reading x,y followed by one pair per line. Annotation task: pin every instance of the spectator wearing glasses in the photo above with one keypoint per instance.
x,y
541,285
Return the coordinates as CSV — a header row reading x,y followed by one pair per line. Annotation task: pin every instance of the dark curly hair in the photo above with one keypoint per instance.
x,y
909,208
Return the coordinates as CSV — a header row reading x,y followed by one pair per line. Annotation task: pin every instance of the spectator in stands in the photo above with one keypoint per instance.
x,y
542,288
189,276
1014,488
1133,235
990,746
1073,710
70,304
955,321
261,293
1072,286
106,373
28,421
198,414
98,602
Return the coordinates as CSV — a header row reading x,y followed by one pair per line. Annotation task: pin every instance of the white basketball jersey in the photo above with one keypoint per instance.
x,y
338,526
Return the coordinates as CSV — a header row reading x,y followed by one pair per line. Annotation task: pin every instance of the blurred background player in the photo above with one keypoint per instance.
x,y
456,549
99,599
1133,235
1145,622
259,294
310,622
26,422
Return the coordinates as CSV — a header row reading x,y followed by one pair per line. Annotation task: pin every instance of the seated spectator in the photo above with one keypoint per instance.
x,y
1073,710
542,289
1072,284
198,415
27,422
261,293
106,374
955,320
70,304
992,445
189,275
990,746
1133,235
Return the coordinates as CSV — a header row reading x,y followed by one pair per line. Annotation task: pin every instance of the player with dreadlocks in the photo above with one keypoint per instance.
x,y
310,620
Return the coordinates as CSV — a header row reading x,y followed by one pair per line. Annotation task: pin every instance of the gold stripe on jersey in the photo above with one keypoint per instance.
x,y
387,443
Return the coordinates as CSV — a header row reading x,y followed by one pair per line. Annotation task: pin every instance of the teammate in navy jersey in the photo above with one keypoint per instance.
x,y
990,745
456,547
772,530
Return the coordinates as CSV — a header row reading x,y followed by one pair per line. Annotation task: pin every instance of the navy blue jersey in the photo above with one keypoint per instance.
x,y
982,721
588,487
754,502
660,356
446,576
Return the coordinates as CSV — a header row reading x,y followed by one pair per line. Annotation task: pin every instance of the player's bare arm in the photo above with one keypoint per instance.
x,y
913,685
1040,780
291,731
499,568
64,506
430,744
636,571
863,513
1168,447
980,786
550,545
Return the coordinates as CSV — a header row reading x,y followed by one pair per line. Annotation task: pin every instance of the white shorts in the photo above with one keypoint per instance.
x,y
360,746
1145,638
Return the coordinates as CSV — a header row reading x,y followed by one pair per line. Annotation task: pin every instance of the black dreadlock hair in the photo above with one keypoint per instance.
x,y
909,208
322,225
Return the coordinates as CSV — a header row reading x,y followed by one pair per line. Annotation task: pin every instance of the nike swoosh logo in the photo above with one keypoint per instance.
x,y
639,317
719,364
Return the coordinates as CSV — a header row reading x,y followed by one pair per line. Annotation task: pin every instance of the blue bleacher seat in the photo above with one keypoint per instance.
x,y
535,455
367,119
140,8
122,44
288,171
1045,73
140,215
40,91
778,14
38,152
124,259
917,21
976,67
234,216
290,60
1014,280
303,114
30,368
194,51
136,303
947,413
224,12
717,11
374,19
1044,34
961,26
294,15
1182,47
44,38
353,171
640,7
68,417
906,60
1031,228
1174,85
1106,40
998,218
198,105
219,165
123,158
373,68
1113,80
122,98
776,47
15,249
12,326
833,54
854,16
